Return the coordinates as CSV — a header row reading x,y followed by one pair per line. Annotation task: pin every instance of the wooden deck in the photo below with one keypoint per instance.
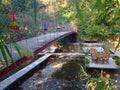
x,y
65,54
11,79
92,44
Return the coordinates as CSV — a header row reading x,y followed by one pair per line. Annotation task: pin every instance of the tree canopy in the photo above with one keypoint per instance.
x,y
94,17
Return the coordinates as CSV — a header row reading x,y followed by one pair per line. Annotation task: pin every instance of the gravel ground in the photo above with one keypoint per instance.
x,y
42,80
118,74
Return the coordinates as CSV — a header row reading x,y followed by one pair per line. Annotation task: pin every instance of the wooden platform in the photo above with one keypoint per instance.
x,y
11,79
65,54
110,65
92,44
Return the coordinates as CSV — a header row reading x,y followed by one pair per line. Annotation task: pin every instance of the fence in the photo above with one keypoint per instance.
x,y
25,12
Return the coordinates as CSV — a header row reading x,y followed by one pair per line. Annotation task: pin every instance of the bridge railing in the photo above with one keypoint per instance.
x,y
22,13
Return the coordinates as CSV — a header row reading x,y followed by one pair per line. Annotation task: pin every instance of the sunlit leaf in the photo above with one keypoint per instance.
x,y
119,2
118,44
3,53
8,52
17,48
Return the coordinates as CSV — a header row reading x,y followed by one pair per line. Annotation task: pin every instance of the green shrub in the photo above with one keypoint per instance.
x,y
72,70
117,60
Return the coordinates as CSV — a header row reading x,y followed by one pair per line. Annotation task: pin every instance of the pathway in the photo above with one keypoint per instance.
x,y
30,45
45,81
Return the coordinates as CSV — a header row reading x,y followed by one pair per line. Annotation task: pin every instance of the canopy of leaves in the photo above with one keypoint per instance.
x,y
94,17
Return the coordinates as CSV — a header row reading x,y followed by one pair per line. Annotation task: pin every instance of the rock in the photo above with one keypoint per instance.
x,y
59,87
107,76
39,73
42,79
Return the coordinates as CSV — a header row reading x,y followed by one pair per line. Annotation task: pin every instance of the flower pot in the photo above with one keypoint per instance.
x,y
14,27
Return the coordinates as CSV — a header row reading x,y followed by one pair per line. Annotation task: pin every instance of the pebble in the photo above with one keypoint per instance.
x,y
43,81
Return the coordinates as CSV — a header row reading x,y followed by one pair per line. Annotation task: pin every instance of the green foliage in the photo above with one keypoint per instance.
x,y
24,51
99,18
72,70
100,84
117,60
5,51
6,55
35,11
21,5
62,41
17,48
1,6
87,61
118,44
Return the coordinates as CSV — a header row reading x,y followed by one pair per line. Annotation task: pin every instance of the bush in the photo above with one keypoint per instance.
x,y
72,70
